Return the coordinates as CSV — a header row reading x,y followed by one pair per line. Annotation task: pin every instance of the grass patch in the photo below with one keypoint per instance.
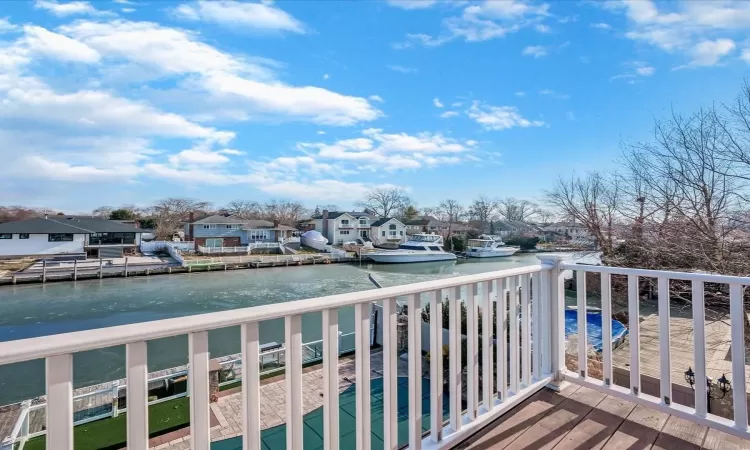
x,y
111,433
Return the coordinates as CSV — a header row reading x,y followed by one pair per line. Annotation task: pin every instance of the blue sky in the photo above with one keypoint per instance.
x,y
125,102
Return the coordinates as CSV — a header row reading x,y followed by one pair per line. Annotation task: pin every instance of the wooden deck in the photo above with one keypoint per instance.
x,y
580,418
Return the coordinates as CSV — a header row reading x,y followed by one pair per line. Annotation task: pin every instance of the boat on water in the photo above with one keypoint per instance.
x,y
419,248
488,246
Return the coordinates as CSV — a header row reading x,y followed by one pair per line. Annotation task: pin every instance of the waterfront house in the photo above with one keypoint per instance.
x,y
429,224
387,230
231,231
68,235
568,232
340,226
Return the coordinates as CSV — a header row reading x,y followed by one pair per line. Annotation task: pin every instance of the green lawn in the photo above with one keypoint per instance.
x,y
111,433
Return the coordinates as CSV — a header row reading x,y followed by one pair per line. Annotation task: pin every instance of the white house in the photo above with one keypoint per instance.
x,y
387,231
339,227
572,232
68,235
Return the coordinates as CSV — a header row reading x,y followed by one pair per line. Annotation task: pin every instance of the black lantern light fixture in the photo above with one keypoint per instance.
x,y
722,383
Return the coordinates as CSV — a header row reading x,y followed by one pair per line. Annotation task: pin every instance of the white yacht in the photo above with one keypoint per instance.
x,y
488,246
419,248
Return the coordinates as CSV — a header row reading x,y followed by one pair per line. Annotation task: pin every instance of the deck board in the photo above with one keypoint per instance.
x,y
579,418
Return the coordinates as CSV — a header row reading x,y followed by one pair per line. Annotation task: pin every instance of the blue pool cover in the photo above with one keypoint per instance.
x,y
593,328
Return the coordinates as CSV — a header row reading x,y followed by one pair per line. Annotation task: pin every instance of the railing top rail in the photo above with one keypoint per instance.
x,y
687,276
44,346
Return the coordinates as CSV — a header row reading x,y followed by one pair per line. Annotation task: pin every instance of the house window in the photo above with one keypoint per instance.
x,y
402,233
235,226
60,237
344,221
392,226
6,236
260,235
363,221
206,227
344,232
23,236
383,233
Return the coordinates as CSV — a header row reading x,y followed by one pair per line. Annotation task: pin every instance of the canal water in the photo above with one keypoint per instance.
x,y
40,310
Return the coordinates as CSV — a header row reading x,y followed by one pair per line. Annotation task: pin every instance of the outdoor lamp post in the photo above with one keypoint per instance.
x,y
723,383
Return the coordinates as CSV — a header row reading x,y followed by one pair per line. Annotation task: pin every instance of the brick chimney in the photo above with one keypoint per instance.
x,y
191,219
276,223
324,231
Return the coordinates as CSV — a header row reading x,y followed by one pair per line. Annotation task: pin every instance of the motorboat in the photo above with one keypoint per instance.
x,y
314,239
420,247
488,246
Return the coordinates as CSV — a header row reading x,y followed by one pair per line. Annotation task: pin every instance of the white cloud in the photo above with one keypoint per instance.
x,y
233,82
401,69
127,10
645,71
456,104
326,76
412,4
230,151
68,9
499,117
483,21
35,167
198,157
321,132
6,26
448,114
537,51
553,94
542,28
41,41
708,53
437,103
746,55
570,116
700,30
376,98
320,190
601,26
636,69
520,94
253,16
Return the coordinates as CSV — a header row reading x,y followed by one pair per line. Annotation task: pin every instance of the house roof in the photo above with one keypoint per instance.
x,y
383,221
337,214
218,219
67,224
261,224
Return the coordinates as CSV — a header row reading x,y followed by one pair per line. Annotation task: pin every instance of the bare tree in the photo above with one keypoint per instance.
x,y
385,202
102,211
451,211
516,209
170,212
544,216
285,211
483,210
590,201
244,209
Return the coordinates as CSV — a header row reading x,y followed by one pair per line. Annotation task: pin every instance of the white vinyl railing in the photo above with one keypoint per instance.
x,y
519,288
219,250
738,426
526,353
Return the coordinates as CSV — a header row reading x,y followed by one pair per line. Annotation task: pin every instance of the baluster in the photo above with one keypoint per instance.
x,y
472,363
665,366
606,294
454,357
737,317
250,386
513,330
293,369
634,331
59,414
331,379
390,375
487,392
582,337
699,344
525,331
362,373
414,331
501,341
200,437
536,319
436,366
136,361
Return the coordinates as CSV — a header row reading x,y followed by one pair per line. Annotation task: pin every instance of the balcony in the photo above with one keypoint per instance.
x,y
532,390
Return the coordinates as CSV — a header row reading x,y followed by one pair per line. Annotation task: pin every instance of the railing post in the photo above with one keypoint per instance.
x,y
25,412
554,330
115,397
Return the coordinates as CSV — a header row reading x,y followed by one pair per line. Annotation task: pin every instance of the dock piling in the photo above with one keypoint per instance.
x,y
75,270
101,268
126,267
44,271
